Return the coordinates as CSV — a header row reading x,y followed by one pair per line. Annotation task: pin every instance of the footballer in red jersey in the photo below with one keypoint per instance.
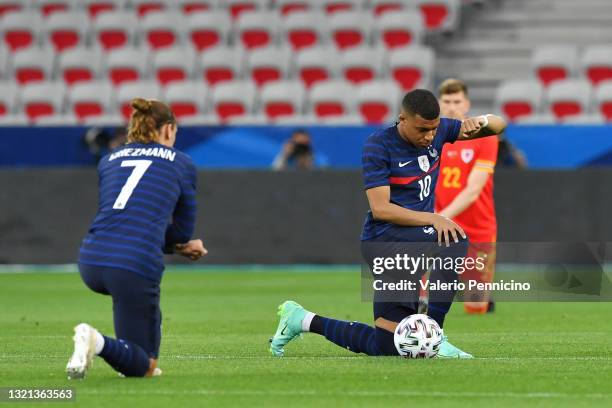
x,y
464,192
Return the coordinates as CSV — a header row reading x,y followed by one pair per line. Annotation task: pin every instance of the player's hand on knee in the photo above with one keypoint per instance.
x,y
193,249
447,229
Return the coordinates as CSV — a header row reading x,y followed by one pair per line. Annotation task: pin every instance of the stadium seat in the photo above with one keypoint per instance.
x,y
58,119
196,6
7,6
268,64
331,98
343,120
304,29
361,64
585,119
597,63
412,67
173,64
233,98
94,98
553,63
33,64
350,28
93,7
297,120
144,7
378,101
48,7
42,99
208,29
440,15
18,119
66,29
126,64
8,97
114,120
20,29
187,98
282,98
161,29
537,119
569,97
332,6
221,64
142,89
255,29
237,7
603,99
380,7
316,64
518,98
4,61
200,120
79,64
115,29
286,7
399,29
247,120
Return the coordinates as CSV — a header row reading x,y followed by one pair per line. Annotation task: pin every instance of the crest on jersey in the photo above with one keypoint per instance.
x,y
424,162
467,155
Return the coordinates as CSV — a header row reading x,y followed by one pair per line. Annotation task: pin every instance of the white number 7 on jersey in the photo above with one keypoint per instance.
x,y
140,167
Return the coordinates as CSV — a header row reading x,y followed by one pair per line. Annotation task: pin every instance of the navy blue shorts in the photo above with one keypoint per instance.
x,y
136,311
413,241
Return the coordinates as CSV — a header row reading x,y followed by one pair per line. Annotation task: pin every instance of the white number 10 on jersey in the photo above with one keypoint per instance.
x,y
140,167
425,184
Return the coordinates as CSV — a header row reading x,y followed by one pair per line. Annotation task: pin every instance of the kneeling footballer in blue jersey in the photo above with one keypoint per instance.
x,y
400,170
146,208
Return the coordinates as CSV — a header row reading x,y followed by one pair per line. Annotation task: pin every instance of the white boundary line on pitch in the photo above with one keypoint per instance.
x,y
345,393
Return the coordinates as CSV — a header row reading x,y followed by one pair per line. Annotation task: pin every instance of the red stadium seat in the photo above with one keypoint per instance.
x,y
316,64
331,98
208,29
221,64
361,64
10,5
332,6
196,6
126,64
286,7
48,7
350,28
518,98
173,64
380,7
603,99
160,29
94,7
186,99
237,7
42,99
377,101
399,29
8,98
282,98
79,64
233,98
66,29
33,65
115,29
127,92
303,29
597,63
439,14
20,29
91,99
256,29
144,7
268,65
411,67
568,98
553,63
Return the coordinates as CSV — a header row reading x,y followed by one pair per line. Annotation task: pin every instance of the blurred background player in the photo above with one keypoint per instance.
x,y
400,170
464,192
142,185
296,153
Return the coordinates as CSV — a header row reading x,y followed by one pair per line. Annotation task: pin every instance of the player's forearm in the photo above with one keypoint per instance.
x,y
462,202
496,124
395,214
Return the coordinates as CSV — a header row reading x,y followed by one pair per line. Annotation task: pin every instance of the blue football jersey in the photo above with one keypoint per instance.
x,y
410,171
146,204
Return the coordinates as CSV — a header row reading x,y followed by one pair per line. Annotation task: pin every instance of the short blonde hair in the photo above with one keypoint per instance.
x,y
451,86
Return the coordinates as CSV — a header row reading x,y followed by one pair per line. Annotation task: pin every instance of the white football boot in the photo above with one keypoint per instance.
x,y
84,351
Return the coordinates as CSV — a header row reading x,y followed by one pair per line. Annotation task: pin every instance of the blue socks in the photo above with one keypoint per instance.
x,y
127,358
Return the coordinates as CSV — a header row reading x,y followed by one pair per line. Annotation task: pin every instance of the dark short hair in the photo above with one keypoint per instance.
x,y
423,103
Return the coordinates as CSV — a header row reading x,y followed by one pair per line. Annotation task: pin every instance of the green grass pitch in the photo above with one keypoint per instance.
x,y
215,347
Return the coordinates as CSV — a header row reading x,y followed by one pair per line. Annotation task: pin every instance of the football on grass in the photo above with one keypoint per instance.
x,y
418,336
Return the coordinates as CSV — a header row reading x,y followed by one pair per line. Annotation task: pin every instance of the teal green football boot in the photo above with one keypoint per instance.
x,y
447,350
290,326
